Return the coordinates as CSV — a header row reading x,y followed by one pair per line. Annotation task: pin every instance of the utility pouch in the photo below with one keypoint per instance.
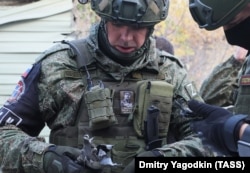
x,y
156,93
123,152
100,107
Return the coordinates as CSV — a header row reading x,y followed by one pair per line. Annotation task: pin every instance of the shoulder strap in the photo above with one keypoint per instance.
x,y
80,51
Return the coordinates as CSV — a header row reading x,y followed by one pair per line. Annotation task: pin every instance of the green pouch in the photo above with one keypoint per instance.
x,y
159,94
123,152
100,107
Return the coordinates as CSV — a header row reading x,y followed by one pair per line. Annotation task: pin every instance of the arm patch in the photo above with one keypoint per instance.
x,y
191,90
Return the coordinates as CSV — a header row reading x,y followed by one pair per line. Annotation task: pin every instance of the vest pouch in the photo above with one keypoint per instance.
x,y
100,107
124,151
159,94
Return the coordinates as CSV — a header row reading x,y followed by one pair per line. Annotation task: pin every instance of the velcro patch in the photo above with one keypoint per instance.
x,y
191,90
18,91
72,74
126,101
8,117
245,80
25,74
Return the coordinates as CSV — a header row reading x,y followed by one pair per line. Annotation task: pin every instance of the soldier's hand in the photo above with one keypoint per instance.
x,y
61,159
219,126
130,168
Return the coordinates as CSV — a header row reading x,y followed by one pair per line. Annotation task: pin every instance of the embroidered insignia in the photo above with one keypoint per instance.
x,y
20,88
126,101
245,80
18,91
191,90
25,74
9,117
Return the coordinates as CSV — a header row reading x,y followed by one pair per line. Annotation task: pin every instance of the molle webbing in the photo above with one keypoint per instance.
x,y
124,129
121,130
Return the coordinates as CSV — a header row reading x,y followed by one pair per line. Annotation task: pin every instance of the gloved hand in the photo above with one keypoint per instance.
x,y
219,126
62,159
130,168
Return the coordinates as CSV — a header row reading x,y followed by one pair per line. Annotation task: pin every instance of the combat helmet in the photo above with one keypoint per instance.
x,y
212,14
131,12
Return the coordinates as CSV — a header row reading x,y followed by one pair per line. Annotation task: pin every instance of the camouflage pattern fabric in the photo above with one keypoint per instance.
x,y
218,87
243,94
59,95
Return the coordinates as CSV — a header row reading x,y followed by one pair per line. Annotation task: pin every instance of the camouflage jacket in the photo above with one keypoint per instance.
x,y
218,88
45,95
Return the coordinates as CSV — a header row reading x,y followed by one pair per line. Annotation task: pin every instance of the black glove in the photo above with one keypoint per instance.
x,y
61,159
130,168
219,126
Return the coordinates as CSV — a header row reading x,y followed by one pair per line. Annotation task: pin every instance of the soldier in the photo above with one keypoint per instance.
x,y
228,132
75,88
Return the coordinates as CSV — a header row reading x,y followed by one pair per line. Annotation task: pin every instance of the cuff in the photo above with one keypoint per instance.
x,y
230,131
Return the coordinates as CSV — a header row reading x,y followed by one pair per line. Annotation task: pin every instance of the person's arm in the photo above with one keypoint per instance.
x,y
217,89
20,124
21,149
230,133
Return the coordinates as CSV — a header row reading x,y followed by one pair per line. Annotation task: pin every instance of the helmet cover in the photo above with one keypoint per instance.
x,y
132,12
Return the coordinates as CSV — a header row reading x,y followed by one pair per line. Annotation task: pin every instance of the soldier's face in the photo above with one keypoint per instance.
x,y
125,39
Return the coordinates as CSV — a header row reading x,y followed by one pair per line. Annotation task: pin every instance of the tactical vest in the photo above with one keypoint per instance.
x,y
126,130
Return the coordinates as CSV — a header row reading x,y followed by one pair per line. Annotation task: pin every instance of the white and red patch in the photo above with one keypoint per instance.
x,y
19,89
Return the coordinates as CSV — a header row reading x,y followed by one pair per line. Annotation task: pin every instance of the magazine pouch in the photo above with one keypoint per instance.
x,y
100,110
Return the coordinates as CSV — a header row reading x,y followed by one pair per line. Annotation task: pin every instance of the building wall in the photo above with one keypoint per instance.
x,y
25,32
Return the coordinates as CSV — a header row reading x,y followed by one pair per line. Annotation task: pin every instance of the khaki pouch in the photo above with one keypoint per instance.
x,y
159,94
100,107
